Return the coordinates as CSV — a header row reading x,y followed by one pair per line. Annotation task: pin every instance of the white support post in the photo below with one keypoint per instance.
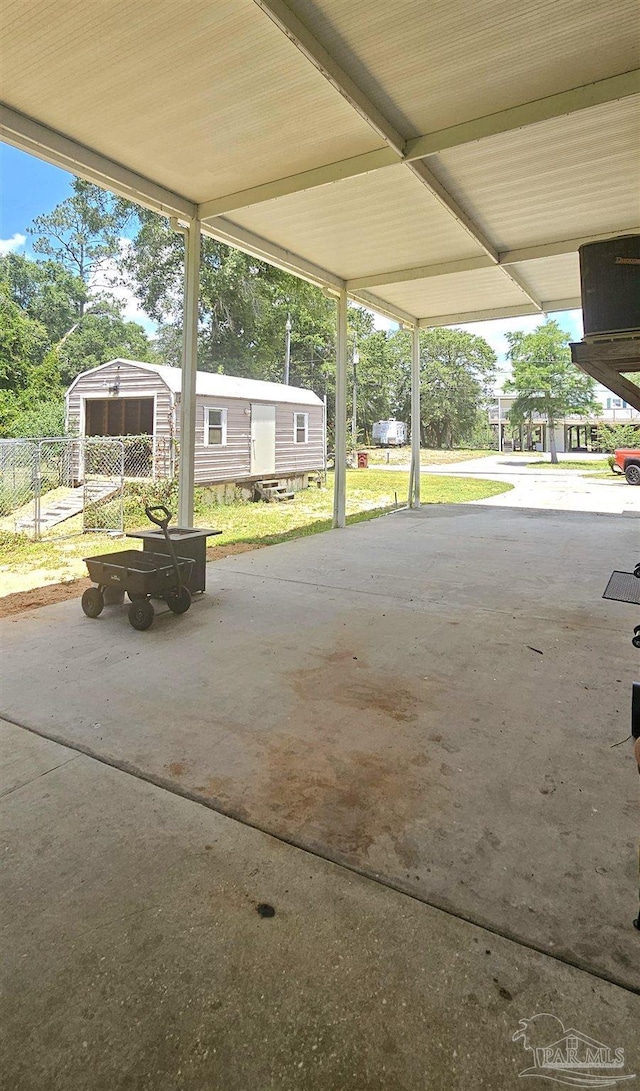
x,y
189,368
340,423
414,499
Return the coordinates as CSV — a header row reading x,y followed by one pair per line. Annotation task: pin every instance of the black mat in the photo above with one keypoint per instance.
x,y
624,587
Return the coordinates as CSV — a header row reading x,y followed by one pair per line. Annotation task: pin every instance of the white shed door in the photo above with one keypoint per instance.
x,y
263,439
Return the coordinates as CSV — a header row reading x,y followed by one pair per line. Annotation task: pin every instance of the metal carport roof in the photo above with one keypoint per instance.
x,y
438,162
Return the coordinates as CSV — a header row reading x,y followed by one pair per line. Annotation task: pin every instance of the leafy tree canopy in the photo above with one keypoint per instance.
x,y
545,380
456,370
45,291
101,336
243,308
82,233
23,342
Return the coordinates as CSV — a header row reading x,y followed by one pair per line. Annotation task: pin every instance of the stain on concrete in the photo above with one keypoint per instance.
x,y
356,776
350,683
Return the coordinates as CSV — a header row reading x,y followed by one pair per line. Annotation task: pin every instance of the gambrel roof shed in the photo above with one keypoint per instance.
x,y
214,384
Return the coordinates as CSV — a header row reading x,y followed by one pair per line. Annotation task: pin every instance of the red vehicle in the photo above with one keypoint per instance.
x,y
626,460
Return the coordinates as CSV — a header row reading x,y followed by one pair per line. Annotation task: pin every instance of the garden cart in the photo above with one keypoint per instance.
x,y
142,575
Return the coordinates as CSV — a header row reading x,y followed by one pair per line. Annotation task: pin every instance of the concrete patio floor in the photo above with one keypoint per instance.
x,y
135,960
428,700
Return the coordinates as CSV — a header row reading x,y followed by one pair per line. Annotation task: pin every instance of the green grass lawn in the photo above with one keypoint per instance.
x,y
369,494
595,465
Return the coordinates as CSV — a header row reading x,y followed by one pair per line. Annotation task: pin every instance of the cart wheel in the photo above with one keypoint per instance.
x,y
178,601
141,614
635,640
92,602
135,596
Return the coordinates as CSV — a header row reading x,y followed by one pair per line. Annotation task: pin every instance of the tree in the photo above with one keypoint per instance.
x,y
99,336
45,291
456,369
379,378
545,381
43,418
243,308
23,343
83,233
41,355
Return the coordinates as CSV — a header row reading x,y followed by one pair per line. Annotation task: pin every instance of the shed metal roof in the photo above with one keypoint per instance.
x,y
442,162
215,385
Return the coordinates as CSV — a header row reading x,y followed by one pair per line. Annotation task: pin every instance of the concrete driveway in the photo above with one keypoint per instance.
x,y
421,711
561,489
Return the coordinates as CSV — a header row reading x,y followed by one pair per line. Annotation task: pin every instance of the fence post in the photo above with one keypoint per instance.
x,y
36,495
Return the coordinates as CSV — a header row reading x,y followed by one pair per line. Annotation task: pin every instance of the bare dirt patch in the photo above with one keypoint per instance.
x,y
35,597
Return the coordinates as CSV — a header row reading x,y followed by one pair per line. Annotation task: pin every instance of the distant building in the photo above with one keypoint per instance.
x,y
572,433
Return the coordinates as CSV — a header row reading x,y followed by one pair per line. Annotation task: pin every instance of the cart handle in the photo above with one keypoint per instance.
x,y
162,523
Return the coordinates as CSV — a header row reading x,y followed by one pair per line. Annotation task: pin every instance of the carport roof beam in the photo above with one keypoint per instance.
x,y
529,113
548,307
299,183
475,129
464,265
453,207
228,232
327,66
36,139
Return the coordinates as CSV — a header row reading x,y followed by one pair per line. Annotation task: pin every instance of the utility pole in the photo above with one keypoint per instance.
x,y
287,350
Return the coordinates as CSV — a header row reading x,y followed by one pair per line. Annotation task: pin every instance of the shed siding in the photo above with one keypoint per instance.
x,y
134,383
232,462
298,457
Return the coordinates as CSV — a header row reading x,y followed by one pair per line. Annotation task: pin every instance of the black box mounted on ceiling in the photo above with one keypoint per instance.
x,y
610,278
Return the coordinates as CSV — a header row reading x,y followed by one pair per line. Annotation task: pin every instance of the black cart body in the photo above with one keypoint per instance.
x,y
138,573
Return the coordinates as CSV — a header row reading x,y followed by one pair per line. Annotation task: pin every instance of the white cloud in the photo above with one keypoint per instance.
x,y
7,246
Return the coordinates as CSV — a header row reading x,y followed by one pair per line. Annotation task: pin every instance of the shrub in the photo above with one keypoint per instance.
x,y
41,419
612,436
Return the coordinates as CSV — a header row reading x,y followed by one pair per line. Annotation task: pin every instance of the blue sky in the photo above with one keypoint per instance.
x,y
30,187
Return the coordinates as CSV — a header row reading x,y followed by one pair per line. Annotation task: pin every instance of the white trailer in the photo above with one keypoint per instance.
x,y
389,433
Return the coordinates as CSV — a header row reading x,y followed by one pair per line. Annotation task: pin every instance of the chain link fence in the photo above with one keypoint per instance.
x,y
44,483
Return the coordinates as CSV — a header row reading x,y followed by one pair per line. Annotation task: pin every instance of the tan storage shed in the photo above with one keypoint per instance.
x,y
246,429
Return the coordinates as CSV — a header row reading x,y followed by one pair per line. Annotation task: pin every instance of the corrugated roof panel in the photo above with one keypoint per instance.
x,y
552,278
210,98
560,179
205,98
456,293
359,226
432,65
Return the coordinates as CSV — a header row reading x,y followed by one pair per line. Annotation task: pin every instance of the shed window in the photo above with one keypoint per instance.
x,y
300,427
215,427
